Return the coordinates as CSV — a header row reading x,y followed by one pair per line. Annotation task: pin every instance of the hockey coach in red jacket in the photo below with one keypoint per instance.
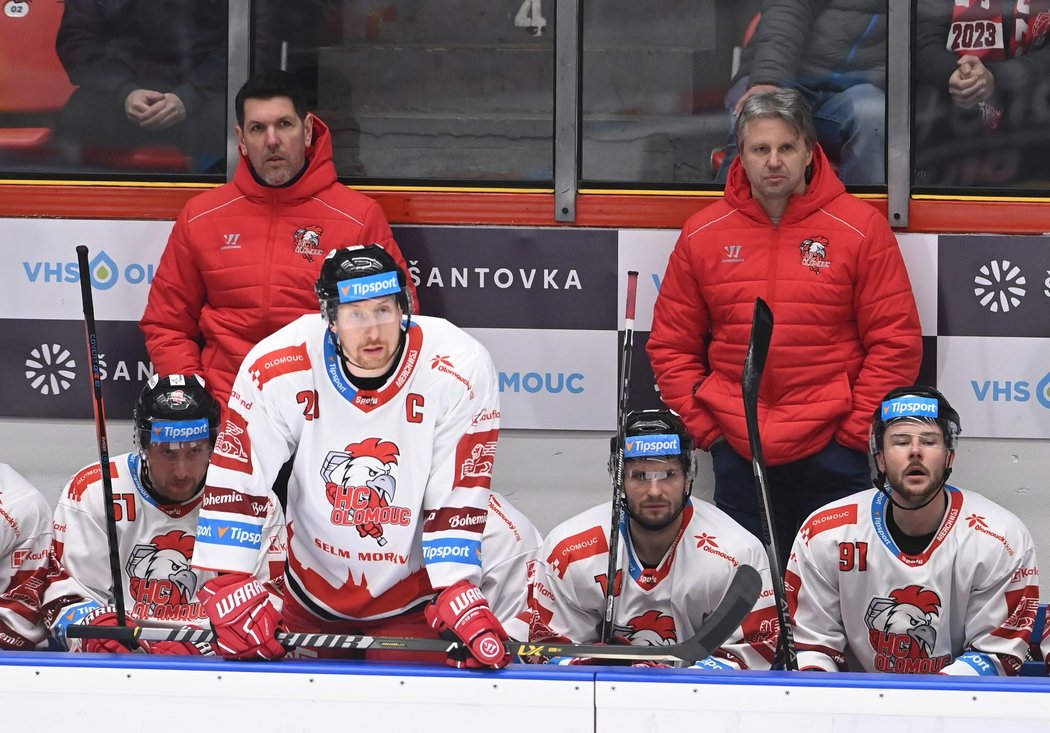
x,y
847,329
242,259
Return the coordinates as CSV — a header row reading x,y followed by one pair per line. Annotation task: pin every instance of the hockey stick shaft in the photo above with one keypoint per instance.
x,y
100,432
754,366
738,601
617,474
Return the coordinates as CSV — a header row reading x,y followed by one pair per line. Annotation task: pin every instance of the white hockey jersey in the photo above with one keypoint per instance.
x,y
966,605
659,606
368,466
25,535
509,547
155,546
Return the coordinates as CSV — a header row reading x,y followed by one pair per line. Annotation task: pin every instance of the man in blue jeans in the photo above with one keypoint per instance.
x,y
834,53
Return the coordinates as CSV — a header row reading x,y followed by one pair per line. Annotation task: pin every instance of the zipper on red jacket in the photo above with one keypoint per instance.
x,y
271,243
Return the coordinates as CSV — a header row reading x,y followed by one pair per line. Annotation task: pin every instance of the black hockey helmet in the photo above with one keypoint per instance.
x,y
916,402
658,433
177,408
360,272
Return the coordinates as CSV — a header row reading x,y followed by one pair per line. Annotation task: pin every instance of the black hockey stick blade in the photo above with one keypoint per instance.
x,y
757,351
738,601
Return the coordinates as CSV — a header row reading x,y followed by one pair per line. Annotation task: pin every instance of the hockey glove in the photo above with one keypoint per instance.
x,y
243,616
461,613
105,617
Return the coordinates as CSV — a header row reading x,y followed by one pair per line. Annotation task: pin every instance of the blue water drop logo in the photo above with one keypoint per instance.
x,y
1042,391
103,271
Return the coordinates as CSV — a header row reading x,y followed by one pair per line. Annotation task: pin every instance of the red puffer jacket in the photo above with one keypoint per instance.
x,y
846,327
242,260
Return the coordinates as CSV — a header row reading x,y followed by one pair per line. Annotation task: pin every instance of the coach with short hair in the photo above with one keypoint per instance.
x,y
847,329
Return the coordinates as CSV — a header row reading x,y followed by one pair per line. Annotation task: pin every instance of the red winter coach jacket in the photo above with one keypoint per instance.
x,y
242,260
846,329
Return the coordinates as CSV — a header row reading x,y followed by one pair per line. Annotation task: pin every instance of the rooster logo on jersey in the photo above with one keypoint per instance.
x,y
160,576
652,628
902,631
360,483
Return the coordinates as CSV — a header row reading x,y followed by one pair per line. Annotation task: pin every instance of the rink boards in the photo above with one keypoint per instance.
x,y
160,694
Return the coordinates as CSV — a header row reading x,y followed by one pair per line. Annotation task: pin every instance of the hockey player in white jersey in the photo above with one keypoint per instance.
x,y
25,535
914,575
157,492
680,555
392,422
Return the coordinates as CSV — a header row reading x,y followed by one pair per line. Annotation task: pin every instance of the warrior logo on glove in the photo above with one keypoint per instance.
x,y
360,482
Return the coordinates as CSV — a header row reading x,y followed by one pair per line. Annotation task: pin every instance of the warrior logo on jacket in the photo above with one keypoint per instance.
x,y
308,242
161,581
650,628
903,632
815,254
360,482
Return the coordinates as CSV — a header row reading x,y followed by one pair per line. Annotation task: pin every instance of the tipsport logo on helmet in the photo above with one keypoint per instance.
x,y
645,446
909,406
366,288
179,431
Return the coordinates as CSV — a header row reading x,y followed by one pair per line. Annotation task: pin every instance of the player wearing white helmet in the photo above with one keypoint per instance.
x,y
680,555
913,575
157,492
391,423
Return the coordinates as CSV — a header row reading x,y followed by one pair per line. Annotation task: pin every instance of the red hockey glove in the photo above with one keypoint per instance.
x,y
104,617
461,612
243,616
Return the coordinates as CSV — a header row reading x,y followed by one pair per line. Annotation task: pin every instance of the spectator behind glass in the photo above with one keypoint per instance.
x,y
833,52
982,73
242,259
148,73
847,329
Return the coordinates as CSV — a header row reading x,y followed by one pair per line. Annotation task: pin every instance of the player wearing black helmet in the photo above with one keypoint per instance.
x,y
176,423
678,556
913,575
391,423
157,492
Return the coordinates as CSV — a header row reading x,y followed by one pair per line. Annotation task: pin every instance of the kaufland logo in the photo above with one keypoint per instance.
x,y
909,406
664,444
999,286
105,272
366,288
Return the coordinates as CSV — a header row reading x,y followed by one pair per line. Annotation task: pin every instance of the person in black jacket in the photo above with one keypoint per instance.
x,y
148,72
834,53
983,76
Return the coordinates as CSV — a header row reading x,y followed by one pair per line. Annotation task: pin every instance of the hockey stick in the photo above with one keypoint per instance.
x,y
617,469
737,602
754,365
100,432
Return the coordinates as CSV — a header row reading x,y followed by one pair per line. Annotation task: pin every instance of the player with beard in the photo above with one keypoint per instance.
x,y
157,493
391,424
913,575
680,555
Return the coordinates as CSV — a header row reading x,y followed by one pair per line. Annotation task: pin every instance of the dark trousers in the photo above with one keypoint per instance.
x,y
795,489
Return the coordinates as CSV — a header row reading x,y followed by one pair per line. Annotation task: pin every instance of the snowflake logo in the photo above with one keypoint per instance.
x,y
975,520
50,369
999,286
705,539
440,361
